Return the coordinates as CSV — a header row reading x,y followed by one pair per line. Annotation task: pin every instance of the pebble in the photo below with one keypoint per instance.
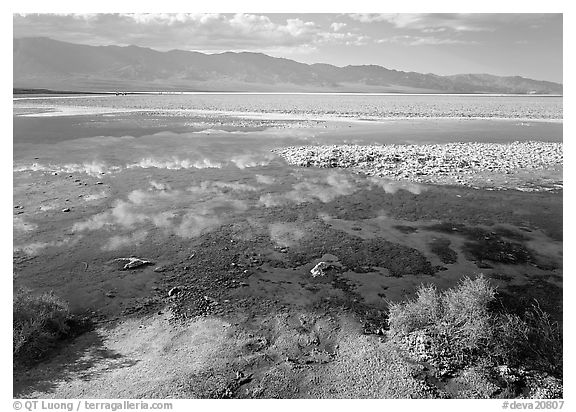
x,y
66,209
320,269
133,262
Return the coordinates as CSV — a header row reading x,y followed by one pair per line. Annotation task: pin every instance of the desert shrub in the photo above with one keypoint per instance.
x,y
39,321
459,327
425,310
533,339
466,318
449,329
457,318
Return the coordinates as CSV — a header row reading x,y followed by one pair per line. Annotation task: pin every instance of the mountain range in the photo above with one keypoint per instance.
x,y
50,64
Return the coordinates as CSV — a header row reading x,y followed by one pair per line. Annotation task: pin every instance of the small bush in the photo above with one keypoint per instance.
x,y
39,321
457,328
466,319
533,339
455,321
425,310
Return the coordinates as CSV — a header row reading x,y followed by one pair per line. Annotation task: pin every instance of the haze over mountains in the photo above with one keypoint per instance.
x,y
50,64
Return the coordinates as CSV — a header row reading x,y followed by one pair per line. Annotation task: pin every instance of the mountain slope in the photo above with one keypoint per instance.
x,y
46,63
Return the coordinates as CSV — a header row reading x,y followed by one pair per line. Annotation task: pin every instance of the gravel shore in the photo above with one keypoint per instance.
x,y
451,163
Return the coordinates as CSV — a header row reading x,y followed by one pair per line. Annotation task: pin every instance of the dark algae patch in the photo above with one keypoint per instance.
x,y
218,264
485,245
406,229
441,248
538,290
468,206
361,255
510,234
472,207
496,250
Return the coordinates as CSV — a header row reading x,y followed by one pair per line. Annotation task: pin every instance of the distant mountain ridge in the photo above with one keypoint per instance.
x,y
51,64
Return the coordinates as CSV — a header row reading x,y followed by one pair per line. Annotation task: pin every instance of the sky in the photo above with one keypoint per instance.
x,y
527,44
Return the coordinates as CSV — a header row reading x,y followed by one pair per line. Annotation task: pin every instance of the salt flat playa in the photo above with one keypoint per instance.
x,y
486,165
209,189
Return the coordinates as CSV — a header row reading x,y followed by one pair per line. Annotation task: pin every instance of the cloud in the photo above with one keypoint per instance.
x,y
392,186
271,200
347,38
140,207
90,168
187,31
252,160
285,234
193,225
36,247
186,213
311,190
46,207
265,180
95,222
331,187
337,185
423,40
203,189
95,196
239,187
117,242
168,18
207,216
175,164
218,131
241,161
209,189
454,22
144,207
337,26
160,186
96,169
20,225
428,21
